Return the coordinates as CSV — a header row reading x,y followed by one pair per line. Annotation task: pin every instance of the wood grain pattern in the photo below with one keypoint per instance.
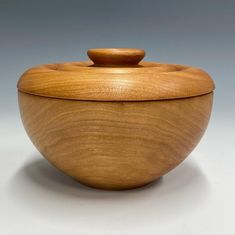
x,y
115,145
115,56
126,81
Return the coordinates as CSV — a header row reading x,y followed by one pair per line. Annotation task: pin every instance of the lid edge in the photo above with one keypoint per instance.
x,y
69,85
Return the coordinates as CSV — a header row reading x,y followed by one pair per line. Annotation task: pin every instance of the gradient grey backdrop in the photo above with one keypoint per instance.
x,y
199,33
198,196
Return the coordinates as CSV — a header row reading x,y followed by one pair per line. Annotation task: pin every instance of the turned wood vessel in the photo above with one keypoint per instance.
x,y
115,122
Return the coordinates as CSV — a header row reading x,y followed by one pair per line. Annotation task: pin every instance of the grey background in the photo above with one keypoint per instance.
x,y
199,33
195,198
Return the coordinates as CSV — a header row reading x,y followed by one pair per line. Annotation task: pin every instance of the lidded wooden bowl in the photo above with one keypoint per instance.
x,y
115,122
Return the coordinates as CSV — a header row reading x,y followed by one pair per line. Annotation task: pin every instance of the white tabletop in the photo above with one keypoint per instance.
x,y
195,198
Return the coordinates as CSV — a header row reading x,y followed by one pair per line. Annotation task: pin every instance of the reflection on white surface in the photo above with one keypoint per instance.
x,y
40,189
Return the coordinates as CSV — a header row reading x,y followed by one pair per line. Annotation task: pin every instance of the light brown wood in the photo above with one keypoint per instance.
x,y
126,81
115,145
115,56
117,123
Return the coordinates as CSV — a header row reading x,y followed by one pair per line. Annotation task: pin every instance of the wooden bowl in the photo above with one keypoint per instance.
x,y
123,138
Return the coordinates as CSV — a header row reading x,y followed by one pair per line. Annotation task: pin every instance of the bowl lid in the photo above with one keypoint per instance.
x,y
115,74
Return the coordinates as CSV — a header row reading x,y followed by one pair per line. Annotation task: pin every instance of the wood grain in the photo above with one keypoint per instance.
x,y
116,75
72,81
115,56
115,145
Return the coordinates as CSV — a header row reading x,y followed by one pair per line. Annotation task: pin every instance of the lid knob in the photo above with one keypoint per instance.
x,y
116,56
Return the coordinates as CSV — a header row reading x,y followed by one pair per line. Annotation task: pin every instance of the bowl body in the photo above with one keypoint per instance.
x,y
115,145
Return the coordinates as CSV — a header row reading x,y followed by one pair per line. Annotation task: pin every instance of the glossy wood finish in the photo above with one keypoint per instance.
x,y
115,56
116,75
115,145
80,82
117,123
